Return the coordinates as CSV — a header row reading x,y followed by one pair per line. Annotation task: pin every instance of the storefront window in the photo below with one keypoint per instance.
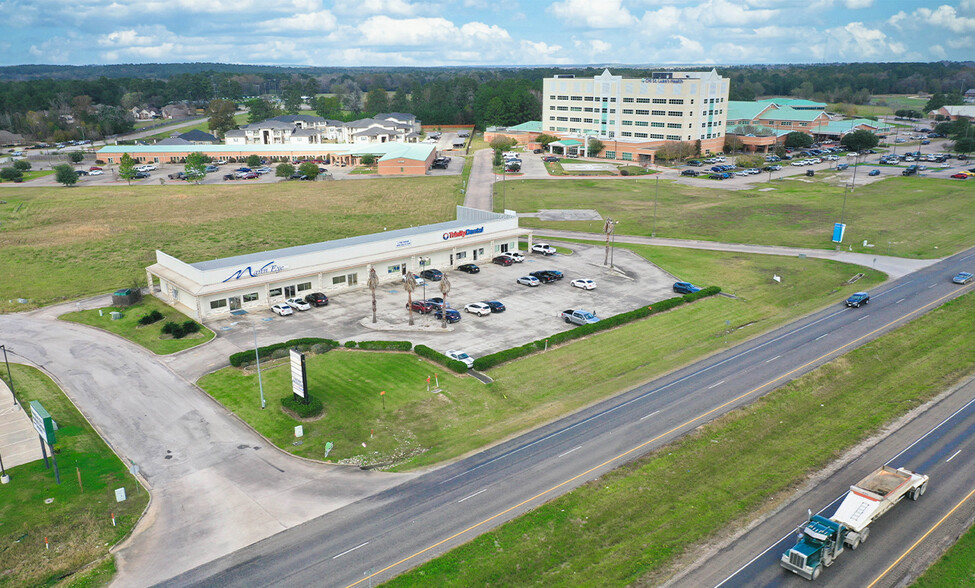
x,y
274,292
250,297
215,304
392,269
304,286
338,280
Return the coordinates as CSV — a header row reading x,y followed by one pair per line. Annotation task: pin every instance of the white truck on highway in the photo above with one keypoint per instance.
x,y
821,540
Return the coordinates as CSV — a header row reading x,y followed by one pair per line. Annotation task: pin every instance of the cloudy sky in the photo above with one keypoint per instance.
x,y
484,32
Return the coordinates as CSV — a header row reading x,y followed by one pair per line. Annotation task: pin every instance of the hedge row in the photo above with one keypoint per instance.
x,y
305,411
314,344
489,361
382,345
424,351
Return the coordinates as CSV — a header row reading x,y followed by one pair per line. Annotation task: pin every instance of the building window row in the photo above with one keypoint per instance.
x,y
673,137
630,100
641,135
627,111
643,101
657,124
642,123
674,125
626,134
675,101
643,112
674,113
660,101
658,113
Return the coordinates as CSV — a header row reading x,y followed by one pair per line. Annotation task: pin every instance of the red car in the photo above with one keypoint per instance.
x,y
93,168
250,176
421,306
960,176
502,260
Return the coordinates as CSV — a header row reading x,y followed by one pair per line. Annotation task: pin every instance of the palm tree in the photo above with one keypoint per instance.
x,y
444,288
410,287
373,283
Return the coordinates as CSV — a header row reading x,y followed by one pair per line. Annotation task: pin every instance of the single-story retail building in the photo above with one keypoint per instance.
x,y
393,158
256,281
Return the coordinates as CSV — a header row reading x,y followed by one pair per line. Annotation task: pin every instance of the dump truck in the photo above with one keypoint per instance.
x,y
821,540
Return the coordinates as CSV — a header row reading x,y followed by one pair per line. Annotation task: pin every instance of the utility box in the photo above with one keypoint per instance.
x,y
126,297
116,315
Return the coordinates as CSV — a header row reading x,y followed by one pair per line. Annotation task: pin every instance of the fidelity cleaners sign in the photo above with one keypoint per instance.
x,y
464,233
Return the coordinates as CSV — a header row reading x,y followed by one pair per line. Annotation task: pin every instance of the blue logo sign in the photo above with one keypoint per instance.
x,y
465,233
268,268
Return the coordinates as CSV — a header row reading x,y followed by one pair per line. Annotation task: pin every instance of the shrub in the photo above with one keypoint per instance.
x,y
350,344
153,317
433,355
386,345
191,326
11,174
174,329
280,353
243,358
624,172
305,411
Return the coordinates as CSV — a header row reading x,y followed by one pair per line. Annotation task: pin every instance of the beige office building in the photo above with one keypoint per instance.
x,y
632,117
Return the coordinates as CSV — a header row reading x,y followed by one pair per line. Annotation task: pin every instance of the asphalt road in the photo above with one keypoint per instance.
x,y
383,535
938,443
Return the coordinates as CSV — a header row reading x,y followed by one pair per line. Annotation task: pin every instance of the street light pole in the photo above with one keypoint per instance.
x,y
10,377
257,354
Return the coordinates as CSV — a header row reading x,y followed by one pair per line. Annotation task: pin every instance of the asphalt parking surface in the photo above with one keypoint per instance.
x,y
531,311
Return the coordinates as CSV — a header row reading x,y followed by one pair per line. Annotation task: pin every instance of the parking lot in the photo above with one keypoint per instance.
x,y
532,312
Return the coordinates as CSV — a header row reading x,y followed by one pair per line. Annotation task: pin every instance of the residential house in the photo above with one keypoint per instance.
x,y
954,112
143,113
178,110
8,138
970,96
198,137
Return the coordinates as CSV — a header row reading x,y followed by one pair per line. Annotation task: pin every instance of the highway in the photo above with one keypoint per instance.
x,y
378,537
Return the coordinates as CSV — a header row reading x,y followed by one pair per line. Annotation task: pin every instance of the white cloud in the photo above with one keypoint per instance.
x,y
938,51
322,20
946,17
895,20
383,7
961,42
710,13
604,14
693,48
857,42
428,32
858,4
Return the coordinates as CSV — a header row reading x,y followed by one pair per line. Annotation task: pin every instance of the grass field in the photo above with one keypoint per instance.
x,y
61,244
543,386
631,525
919,217
204,125
33,175
77,522
149,336
955,568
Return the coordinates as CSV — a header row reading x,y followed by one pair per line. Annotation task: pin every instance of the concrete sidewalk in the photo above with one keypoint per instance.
x,y
19,443
895,267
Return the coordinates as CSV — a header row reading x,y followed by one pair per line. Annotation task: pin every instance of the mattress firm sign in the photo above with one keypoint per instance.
x,y
249,271
462,233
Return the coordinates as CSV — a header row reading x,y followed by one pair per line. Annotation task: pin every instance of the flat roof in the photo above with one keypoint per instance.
x,y
465,217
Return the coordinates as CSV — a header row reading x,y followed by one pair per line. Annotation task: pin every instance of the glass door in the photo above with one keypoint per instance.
x,y
234,302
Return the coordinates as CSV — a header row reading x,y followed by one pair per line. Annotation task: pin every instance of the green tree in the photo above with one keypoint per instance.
x,y
309,168
221,116
284,170
126,168
377,100
292,98
859,140
11,174
595,147
798,140
780,150
76,156
545,139
500,143
260,109
328,107
196,166
64,174
367,159
253,161
732,144
400,101
938,100
964,145
22,165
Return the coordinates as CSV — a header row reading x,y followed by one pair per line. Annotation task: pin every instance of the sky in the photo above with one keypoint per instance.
x,y
483,32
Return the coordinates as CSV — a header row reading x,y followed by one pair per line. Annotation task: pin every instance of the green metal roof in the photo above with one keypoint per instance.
x,y
567,142
839,127
794,102
774,132
738,110
789,113
532,126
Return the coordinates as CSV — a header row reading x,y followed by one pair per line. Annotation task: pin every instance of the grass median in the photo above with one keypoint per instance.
x,y
543,386
58,244
77,522
955,568
632,524
149,336
900,216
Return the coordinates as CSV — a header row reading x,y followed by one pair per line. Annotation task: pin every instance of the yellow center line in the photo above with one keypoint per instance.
x,y
648,442
923,537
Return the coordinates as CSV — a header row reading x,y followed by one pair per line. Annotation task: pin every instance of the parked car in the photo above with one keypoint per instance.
x,y
210,169
963,277
298,304
584,284
495,305
452,315
250,176
317,299
502,260
94,167
874,172
685,288
478,308
141,175
81,172
96,172
437,302
421,306
694,163
842,166
434,275
959,176
528,281
282,309
515,256
550,158
469,268
461,356
227,177
689,172
810,172
263,170
419,281
543,248
579,316
857,299
543,276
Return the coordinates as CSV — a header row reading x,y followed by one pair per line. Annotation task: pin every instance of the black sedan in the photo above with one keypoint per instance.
x,y
452,315
495,305
544,276
432,274
469,268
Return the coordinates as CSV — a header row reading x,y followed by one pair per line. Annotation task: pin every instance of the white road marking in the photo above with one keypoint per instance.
x,y
820,337
715,385
478,492
773,359
932,285
953,456
862,317
350,550
648,416
568,452
901,300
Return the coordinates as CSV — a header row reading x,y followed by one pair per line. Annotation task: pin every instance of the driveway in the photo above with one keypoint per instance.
x,y
216,485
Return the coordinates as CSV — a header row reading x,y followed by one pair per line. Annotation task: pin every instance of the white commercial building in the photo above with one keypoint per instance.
x,y
256,281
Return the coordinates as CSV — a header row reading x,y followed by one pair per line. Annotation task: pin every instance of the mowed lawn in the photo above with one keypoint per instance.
x,y
63,243
77,520
918,217
418,429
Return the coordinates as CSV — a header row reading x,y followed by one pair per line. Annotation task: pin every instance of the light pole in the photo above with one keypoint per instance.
x,y
10,377
257,355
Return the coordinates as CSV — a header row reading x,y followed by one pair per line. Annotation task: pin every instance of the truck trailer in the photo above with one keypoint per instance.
x,y
821,540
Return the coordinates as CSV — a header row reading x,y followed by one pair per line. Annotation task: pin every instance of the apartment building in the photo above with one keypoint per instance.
x,y
638,115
